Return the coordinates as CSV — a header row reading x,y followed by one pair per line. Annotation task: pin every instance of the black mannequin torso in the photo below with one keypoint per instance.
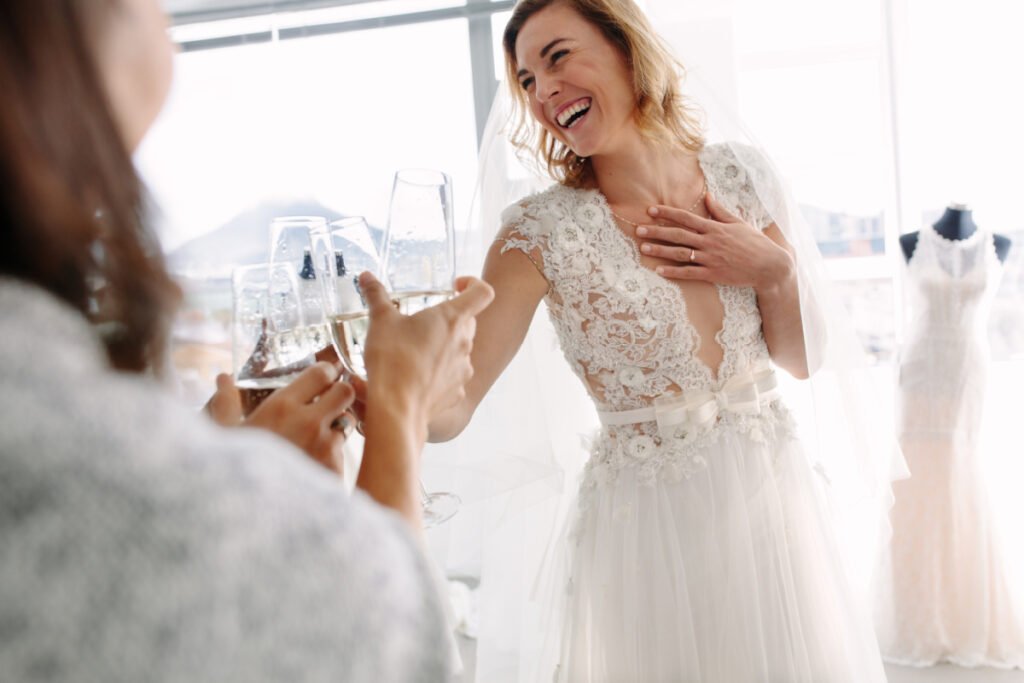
x,y
955,224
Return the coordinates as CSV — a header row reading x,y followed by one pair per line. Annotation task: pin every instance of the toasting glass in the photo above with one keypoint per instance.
x,y
355,251
269,344
419,262
297,242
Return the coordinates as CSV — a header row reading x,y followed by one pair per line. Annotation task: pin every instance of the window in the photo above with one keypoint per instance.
x,y
818,101
306,113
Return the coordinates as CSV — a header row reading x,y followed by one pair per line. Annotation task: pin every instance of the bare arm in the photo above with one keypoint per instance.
x,y
778,297
518,288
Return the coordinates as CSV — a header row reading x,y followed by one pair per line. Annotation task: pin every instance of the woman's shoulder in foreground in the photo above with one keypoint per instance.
x,y
132,518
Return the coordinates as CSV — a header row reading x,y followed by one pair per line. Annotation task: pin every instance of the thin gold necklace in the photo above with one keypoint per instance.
x,y
703,194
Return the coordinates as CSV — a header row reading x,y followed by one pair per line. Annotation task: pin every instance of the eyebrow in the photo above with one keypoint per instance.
x,y
543,53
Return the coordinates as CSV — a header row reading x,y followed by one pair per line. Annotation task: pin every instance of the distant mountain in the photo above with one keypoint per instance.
x,y
243,240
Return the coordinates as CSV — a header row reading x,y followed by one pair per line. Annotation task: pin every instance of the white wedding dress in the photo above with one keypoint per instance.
x,y
946,596
700,548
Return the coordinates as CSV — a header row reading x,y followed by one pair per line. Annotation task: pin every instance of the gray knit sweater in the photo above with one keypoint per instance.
x,y
140,542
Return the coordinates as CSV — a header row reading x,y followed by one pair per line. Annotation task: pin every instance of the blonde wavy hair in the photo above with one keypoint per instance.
x,y
662,113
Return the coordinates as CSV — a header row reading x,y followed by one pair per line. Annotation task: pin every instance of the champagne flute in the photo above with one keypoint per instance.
x,y
355,251
268,346
419,244
297,242
419,262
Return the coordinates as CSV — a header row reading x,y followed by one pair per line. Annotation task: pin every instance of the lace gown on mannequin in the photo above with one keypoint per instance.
x,y
699,550
946,596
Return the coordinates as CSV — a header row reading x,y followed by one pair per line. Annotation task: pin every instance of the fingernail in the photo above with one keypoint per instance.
x,y
646,248
641,230
659,270
653,211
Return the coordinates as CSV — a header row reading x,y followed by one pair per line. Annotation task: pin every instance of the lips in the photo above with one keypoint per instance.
x,y
573,113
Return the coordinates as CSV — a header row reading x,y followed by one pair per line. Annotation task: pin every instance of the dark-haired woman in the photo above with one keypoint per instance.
x,y
139,541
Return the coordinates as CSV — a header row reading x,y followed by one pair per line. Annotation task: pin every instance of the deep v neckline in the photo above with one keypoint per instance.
x,y
713,375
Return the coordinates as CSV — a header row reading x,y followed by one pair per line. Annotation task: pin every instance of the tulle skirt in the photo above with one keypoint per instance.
x,y
728,573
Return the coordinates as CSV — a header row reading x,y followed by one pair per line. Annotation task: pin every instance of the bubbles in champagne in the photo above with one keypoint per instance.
x,y
412,302
255,390
291,346
349,331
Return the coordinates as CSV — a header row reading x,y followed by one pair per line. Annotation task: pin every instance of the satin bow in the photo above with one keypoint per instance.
x,y
741,394
744,394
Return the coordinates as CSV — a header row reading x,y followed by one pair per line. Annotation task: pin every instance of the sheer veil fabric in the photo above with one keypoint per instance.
x,y
520,460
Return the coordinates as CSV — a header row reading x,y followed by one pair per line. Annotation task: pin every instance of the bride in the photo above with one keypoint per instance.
x,y
699,550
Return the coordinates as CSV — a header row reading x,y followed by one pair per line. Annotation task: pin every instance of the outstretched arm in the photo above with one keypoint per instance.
x,y
518,288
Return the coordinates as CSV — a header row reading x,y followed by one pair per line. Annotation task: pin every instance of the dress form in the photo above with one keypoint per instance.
x,y
945,591
956,223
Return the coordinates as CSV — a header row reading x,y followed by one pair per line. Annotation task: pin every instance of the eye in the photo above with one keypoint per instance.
x,y
557,55
526,83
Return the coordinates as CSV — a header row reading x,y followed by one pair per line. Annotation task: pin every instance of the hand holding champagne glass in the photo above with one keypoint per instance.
x,y
419,262
418,365
278,386
279,322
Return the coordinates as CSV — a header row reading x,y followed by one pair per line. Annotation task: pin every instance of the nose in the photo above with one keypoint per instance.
x,y
547,88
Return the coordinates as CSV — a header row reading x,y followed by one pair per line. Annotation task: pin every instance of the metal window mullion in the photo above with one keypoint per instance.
x,y
481,56
475,10
256,8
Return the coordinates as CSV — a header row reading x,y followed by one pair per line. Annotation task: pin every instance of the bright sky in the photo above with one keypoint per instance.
x,y
328,118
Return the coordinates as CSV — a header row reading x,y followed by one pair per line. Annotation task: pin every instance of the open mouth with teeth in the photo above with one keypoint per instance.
x,y
574,113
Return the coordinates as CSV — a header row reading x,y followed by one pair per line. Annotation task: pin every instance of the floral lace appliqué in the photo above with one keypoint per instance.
x,y
624,329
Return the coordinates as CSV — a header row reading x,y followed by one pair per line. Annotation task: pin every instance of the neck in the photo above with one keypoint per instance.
x,y
642,172
955,224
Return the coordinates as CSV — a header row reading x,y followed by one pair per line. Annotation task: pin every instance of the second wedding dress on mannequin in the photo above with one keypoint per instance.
x,y
947,594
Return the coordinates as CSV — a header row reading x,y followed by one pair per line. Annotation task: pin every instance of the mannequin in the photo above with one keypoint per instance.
x,y
946,593
955,224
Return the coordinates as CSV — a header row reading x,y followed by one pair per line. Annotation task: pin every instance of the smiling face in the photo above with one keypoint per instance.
x,y
577,84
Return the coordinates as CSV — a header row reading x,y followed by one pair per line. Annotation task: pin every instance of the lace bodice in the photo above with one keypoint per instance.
x,y
623,328
952,284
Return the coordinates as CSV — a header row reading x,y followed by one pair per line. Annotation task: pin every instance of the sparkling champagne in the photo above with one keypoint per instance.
x,y
349,333
349,330
255,390
410,303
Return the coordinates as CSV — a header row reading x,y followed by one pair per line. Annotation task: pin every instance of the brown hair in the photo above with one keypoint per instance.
x,y
662,112
71,203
